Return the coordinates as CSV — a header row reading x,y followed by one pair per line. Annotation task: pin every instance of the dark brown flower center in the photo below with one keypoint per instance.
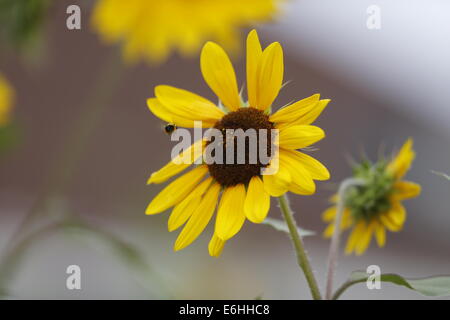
x,y
245,118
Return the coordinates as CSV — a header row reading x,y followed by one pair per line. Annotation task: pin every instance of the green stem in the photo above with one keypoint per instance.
x,y
344,287
334,245
297,242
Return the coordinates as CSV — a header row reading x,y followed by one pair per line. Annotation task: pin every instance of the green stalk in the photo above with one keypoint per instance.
x,y
334,245
299,248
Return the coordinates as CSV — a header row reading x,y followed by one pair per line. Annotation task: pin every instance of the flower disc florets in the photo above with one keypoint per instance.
x,y
230,174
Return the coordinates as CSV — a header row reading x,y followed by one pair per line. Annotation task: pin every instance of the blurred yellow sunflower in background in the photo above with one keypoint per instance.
x,y
152,29
6,101
376,205
245,194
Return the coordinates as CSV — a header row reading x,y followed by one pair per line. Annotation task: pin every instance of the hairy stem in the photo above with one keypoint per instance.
x,y
297,242
335,240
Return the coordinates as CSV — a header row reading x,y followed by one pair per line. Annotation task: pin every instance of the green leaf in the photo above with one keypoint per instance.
x,y
446,176
280,225
435,286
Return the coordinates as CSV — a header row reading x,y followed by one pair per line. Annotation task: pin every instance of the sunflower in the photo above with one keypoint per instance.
x,y
151,29
6,100
376,205
244,193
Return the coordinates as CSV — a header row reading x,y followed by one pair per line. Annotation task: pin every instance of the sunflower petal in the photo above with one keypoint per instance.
x,y
307,118
184,210
365,239
402,162
301,181
176,191
354,237
160,111
270,75
397,213
277,184
215,246
406,190
389,223
295,110
219,74
177,164
187,105
297,137
316,169
329,214
199,219
257,201
254,53
230,215
380,234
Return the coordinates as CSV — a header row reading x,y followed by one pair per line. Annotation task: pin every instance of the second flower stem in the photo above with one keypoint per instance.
x,y
334,244
297,241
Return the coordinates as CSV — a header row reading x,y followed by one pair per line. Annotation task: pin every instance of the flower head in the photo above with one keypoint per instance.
x,y
376,205
244,193
6,101
151,29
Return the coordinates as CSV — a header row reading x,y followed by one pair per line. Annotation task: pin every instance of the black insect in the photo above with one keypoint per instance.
x,y
170,128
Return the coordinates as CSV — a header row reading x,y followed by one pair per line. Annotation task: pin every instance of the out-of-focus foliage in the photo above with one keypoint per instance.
x,y
8,130
435,286
21,21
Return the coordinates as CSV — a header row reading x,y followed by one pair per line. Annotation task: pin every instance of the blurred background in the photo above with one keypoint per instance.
x,y
386,85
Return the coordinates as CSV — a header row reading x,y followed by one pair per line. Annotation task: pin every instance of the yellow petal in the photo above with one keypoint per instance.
x,y
354,237
386,220
329,230
316,169
177,190
296,110
334,198
177,164
254,53
270,75
397,213
394,219
7,97
199,219
215,246
406,190
346,221
277,184
329,214
159,110
230,215
297,137
365,239
257,201
218,73
402,162
188,105
301,181
184,210
380,234
309,117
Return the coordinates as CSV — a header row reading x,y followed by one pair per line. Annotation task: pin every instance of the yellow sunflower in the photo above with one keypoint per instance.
x,y
6,101
376,205
151,29
243,192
